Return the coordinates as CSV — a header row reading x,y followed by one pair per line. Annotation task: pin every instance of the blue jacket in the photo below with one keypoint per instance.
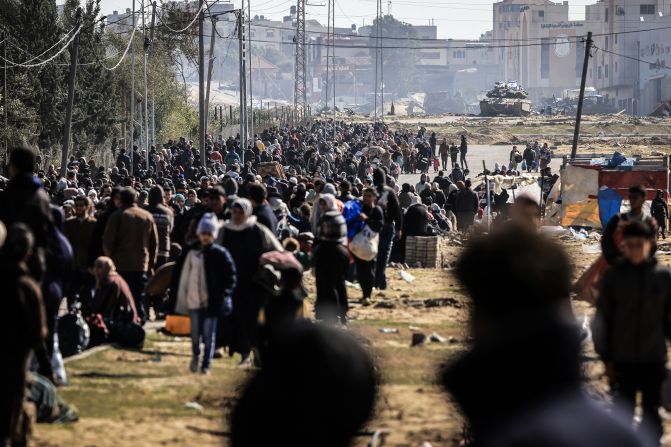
x,y
220,276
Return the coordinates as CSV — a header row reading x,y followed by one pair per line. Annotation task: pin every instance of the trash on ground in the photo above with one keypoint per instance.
x,y
384,304
592,249
407,277
418,339
194,406
388,330
435,338
352,285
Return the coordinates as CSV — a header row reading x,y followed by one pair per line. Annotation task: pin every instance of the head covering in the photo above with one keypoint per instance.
x,y
208,224
245,205
451,188
293,180
329,200
461,185
329,189
178,198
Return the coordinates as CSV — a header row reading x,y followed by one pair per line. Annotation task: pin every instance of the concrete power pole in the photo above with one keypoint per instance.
x,y
201,84
132,96
300,91
578,118
71,94
243,83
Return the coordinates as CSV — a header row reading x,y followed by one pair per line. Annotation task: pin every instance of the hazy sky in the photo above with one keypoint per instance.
x,y
465,19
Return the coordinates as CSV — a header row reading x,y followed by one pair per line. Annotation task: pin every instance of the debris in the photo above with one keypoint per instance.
x,y
417,304
194,406
352,285
418,339
442,302
414,329
591,249
384,305
435,338
407,277
452,340
388,330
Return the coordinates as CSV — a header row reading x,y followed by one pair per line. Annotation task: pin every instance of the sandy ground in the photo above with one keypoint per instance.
x,y
138,398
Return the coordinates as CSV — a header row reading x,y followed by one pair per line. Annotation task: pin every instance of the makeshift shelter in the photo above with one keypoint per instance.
x,y
594,187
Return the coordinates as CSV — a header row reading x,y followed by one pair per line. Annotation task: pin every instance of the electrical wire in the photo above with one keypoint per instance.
x,y
39,64
165,23
656,64
125,53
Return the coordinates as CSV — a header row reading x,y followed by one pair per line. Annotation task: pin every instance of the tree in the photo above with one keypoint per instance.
x,y
399,63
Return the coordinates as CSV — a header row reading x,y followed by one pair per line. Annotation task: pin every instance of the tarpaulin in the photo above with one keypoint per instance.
x,y
584,214
621,181
580,182
610,202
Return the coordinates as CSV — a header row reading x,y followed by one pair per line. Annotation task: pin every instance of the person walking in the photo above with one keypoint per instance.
x,y
392,230
164,220
463,150
660,211
454,155
631,325
79,231
444,153
206,281
466,206
373,217
529,156
331,261
131,240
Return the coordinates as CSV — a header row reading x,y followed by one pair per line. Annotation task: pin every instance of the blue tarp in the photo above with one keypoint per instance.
x,y
351,212
610,202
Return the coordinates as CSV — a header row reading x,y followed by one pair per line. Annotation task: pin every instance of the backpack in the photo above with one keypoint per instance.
x,y
128,335
73,332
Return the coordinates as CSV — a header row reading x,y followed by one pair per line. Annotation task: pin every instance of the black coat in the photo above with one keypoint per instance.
x,y
220,276
633,314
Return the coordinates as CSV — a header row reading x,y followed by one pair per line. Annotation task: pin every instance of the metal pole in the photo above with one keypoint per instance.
x,y
576,133
243,71
489,199
132,97
71,95
4,92
334,70
146,95
251,61
153,118
201,84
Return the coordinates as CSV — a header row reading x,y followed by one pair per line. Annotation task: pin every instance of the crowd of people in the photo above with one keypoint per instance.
x,y
237,231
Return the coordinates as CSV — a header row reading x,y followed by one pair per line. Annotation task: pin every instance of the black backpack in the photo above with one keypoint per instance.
x,y
73,332
127,335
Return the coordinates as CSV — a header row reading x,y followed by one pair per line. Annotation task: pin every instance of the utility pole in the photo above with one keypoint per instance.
x,y
132,96
333,65
251,62
153,95
328,54
210,68
300,91
4,91
201,84
71,94
382,63
581,98
243,86
147,44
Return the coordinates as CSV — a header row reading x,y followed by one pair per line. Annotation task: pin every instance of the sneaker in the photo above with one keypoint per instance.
x,y
194,364
366,302
205,371
218,353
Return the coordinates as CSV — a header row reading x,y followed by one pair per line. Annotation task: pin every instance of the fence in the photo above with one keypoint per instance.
x,y
225,120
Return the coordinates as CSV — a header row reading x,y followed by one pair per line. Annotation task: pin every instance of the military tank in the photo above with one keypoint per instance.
x,y
507,99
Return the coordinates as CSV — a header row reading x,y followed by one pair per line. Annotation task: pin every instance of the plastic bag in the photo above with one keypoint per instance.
x,y
364,244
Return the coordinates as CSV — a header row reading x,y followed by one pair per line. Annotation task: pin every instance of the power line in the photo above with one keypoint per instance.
x,y
656,64
39,64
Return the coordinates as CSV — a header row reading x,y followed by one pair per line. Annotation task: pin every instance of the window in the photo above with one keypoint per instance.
x,y
605,71
599,72
459,54
616,39
619,11
647,9
606,16
272,34
615,67
545,58
607,42
541,13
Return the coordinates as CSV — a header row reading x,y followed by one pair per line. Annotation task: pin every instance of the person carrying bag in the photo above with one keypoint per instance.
x,y
364,245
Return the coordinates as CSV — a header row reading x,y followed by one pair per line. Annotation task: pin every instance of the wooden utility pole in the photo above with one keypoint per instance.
x,y
581,98
210,67
202,113
71,94
132,96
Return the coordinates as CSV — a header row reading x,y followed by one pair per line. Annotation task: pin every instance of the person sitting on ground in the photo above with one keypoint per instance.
x,y
531,339
317,387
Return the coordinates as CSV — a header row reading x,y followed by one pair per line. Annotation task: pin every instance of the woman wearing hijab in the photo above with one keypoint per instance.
x,y
331,261
246,240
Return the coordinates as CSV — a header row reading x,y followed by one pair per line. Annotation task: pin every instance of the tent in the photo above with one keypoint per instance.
x,y
592,191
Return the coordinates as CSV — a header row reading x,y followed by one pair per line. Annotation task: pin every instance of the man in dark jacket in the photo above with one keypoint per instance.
x,y
131,240
258,195
392,228
463,150
660,211
520,383
612,234
466,206
79,231
632,323
163,218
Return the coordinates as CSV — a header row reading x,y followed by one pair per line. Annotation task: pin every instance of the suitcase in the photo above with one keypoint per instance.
x,y
178,325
